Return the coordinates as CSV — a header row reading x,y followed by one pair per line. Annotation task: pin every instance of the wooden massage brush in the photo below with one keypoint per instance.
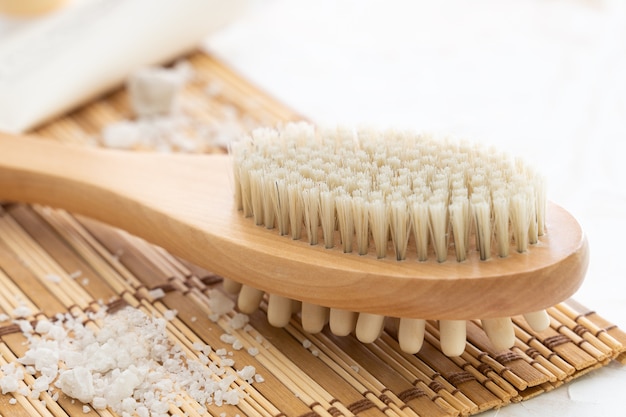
x,y
358,225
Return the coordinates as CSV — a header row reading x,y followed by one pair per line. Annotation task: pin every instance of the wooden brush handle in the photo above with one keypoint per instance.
x,y
184,203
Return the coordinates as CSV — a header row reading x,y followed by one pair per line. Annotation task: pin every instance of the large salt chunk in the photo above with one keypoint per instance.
x,y
124,385
153,91
77,383
9,383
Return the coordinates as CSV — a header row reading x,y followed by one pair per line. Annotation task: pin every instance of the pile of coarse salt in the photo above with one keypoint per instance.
x,y
128,364
162,122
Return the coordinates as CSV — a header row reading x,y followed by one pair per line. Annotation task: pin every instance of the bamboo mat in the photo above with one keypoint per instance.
x,y
304,375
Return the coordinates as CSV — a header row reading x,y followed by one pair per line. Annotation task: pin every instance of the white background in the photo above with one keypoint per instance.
x,y
544,79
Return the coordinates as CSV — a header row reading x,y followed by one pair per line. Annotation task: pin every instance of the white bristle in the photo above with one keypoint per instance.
x,y
328,218
460,221
481,210
399,223
361,224
280,202
256,196
501,225
296,210
379,225
345,220
521,212
268,190
311,204
419,223
438,226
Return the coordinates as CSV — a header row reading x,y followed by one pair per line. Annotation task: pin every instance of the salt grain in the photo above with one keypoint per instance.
x,y
228,338
76,274
21,311
154,91
156,293
170,315
239,321
219,303
53,278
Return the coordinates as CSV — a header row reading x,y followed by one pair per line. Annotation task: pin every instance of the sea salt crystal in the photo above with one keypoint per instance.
x,y
219,303
237,345
25,326
306,343
13,401
78,383
99,403
228,338
153,91
76,274
86,409
43,326
247,373
253,351
53,278
9,383
170,315
22,311
4,317
156,293
239,321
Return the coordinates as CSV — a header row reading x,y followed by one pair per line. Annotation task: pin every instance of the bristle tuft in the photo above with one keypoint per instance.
x,y
369,191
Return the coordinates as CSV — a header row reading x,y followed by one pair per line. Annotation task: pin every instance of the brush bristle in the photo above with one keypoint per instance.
x,y
368,191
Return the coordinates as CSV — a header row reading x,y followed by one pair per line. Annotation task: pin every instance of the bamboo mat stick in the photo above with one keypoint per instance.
x,y
106,264
584,333
75,266
349,359
534,343
597,352
581,316
431,354
510,365
562,345
403,364
53,277
373,391
538,361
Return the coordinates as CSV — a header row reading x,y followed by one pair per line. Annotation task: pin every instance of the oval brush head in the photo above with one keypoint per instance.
x,y
394,194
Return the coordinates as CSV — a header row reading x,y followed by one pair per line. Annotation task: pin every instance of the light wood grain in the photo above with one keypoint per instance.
x,y
184,204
